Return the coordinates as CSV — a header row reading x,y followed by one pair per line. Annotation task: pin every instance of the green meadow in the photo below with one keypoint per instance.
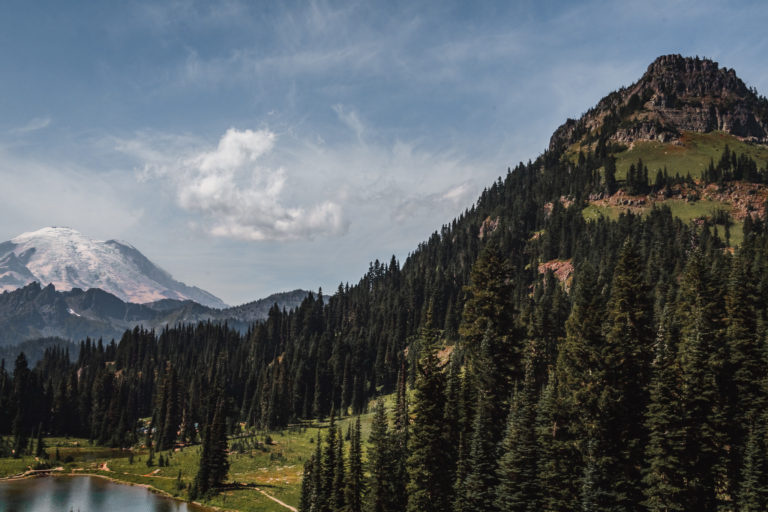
x,y
261,464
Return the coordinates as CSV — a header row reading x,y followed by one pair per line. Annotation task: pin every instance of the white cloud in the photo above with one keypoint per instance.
x,y
351,119
235,191
38,123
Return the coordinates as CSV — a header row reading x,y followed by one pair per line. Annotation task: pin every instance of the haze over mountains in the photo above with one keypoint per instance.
x,y
58,282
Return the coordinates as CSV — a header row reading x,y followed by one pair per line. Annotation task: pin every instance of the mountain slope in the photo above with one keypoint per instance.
x,y
68,260
579,365
40,312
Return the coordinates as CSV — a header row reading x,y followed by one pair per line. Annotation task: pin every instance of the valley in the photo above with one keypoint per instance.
x,y
590,334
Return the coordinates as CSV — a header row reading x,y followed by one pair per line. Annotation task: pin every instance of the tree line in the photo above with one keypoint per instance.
x,y
634,381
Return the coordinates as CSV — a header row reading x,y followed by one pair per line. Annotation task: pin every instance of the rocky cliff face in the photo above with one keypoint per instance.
x,y
675,94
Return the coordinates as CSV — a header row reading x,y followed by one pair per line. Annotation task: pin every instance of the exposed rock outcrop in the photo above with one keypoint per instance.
x,y
675,94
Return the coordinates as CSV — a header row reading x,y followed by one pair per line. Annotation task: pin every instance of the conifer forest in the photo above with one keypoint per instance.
x,y
635,382
525,357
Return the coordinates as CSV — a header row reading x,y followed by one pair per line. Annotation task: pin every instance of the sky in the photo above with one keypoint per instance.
x,y
251,147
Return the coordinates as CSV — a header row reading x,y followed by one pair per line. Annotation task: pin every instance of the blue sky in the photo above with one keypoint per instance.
x,y
254,147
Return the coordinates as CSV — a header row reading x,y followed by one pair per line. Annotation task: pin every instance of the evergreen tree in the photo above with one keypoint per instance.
x,y
700,310
753,487
380,464
429,486
488,318
40,445
329,466
214,462
664,475
400,443
307,490
595,481
339,481
579,356
452,414
355,483
624,362
557,455
578,372
517,490
21,388
317,499
480,483
746,364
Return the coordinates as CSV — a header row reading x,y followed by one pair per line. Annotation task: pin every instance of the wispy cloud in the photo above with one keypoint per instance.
x,y
37,123
162,16
351,119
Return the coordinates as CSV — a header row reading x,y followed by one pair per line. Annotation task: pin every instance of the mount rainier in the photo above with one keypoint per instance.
x,y
68,259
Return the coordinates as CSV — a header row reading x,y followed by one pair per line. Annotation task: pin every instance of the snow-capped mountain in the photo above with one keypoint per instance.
x,y
68,259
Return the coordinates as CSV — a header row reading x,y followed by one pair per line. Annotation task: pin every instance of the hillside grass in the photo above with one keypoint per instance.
x,y
686,211
275,468
691,155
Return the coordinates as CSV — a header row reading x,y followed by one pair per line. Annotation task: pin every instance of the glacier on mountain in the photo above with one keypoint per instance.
x,y
68,259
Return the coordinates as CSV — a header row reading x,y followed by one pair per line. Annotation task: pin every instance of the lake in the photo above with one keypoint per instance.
x,y
83,494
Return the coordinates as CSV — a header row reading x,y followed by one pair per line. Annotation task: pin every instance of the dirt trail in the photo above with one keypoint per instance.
x,y
292,509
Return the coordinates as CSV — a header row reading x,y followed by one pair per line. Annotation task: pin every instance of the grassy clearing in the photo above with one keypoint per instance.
x,y
595,211
684,210
691,155
274,468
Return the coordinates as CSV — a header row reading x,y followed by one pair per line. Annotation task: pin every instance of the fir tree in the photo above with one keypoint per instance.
x,y
307,490
40,445
480,483
354,490
488,317
745,365
21,389
557,455
664,475
625,360
595,482
214,463
317,499
339,482
380,465
579,357
329,466
753,487
700,311
400,442
517,490
429,486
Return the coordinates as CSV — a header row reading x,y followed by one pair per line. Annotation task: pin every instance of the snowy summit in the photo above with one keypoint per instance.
x,y
68,259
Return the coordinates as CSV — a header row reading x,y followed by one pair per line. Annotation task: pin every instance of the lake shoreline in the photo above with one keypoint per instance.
x,y
59,472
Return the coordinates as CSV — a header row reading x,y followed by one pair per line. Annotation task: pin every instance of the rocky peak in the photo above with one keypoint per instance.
x,y
675,94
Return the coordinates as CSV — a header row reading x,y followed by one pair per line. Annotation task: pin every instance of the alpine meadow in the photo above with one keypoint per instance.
x,y
591,334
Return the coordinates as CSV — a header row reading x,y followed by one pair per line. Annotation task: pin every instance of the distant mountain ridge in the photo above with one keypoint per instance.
x,y
70,260
34,312
676,94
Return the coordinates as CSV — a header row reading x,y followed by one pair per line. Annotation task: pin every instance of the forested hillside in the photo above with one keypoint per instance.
x,y
557,363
